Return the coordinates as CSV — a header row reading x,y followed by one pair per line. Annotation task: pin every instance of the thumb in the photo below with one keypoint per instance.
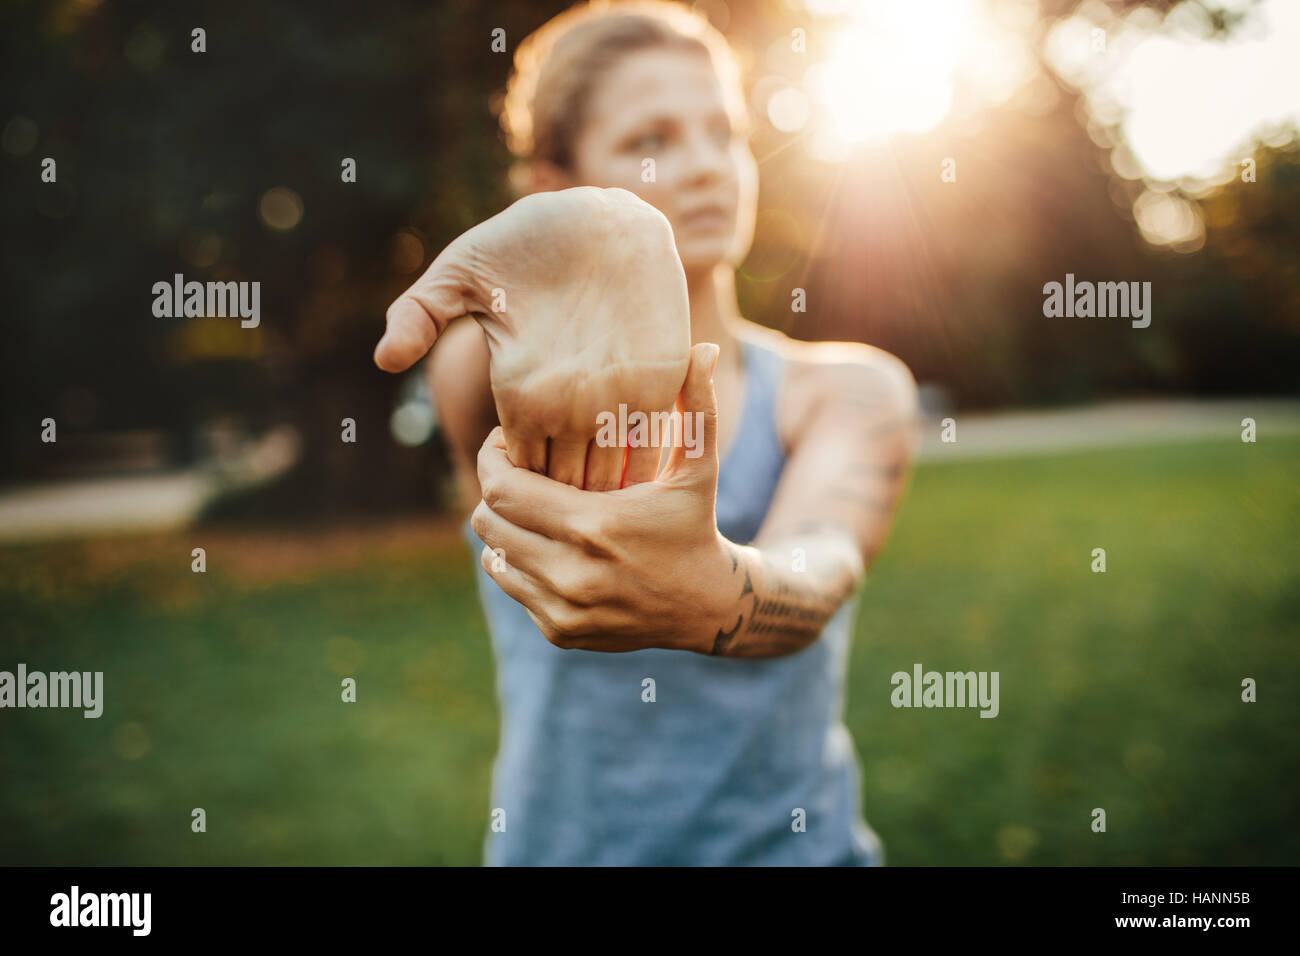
x,y
694,454
420,314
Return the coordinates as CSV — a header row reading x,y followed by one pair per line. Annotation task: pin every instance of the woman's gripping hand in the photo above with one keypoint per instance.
x,y
631,569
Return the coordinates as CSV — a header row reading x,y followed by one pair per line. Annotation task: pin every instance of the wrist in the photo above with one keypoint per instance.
x,y
719,590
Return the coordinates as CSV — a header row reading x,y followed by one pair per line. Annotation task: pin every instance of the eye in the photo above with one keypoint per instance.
x,y
647,142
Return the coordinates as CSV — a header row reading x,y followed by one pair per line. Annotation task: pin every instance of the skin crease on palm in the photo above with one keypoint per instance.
x,y
594,279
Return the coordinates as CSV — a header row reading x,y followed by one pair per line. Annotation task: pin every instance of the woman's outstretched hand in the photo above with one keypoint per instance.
x,y
636,568
583,300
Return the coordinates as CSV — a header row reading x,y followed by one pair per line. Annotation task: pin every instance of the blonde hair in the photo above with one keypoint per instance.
x,y
557,66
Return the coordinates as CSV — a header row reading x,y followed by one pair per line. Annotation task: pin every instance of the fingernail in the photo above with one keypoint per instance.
x,y
713,362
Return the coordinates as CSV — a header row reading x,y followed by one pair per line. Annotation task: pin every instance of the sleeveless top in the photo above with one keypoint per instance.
x,y
734,762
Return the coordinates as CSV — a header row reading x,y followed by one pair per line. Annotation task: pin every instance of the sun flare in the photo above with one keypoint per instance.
x,y
890,69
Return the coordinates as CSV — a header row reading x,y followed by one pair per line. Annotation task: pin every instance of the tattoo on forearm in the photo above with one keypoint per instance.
x,y
786,606
724,637
779,612
780,609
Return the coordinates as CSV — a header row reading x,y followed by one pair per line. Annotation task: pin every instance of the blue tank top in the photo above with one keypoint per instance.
x,y
714,771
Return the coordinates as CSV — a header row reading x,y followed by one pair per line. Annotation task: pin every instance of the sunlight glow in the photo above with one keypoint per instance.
x,y
1188,105
1181,108
898,68
890,71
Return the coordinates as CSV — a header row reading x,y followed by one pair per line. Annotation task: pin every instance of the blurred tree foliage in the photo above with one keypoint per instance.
x,y
165,154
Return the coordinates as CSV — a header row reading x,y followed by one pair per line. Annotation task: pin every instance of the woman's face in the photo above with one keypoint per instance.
x,y
670,106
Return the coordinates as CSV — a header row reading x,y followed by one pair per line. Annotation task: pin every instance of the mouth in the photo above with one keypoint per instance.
x,y
710,217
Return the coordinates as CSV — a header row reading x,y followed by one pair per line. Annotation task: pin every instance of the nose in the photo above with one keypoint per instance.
x,y
706,161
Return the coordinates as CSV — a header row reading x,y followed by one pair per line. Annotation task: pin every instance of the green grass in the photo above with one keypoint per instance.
x,y
1118,690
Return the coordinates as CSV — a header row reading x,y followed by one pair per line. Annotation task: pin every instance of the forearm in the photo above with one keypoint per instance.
x,y
459,384
779,597
830,514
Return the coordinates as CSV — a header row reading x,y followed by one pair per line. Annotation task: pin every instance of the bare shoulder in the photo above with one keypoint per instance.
x,y
821,376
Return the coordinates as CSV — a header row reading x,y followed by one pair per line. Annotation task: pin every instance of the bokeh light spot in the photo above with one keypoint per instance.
x,y
280,208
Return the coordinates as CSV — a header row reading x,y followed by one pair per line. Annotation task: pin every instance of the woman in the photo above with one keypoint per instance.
x,y
730,575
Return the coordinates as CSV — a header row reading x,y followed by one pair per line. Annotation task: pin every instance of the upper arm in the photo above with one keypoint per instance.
x,y
851,447
459,381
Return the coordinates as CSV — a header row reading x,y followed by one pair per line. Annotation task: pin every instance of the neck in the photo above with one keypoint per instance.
x,y
714,311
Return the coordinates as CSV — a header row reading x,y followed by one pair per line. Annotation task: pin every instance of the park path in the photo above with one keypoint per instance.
x,y
1107,425
130,504
170,501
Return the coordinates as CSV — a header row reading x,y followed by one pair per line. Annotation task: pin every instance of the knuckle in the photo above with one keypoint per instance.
x,y
492,491
552,631
558,639
591,529
479,519
560,623
484,450
580,587
566,623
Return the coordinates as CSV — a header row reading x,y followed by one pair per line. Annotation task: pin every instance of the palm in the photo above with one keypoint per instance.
x,y
583,302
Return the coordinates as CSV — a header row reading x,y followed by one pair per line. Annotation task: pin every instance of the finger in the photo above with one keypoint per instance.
x,y
533,454
642,465
694,454
537,621
525,451
407,339
537,594
418,317
518,547
566,461
527,499
604,467
513,581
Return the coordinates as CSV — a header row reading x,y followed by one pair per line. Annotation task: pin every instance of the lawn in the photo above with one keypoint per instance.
x,y
1119,691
